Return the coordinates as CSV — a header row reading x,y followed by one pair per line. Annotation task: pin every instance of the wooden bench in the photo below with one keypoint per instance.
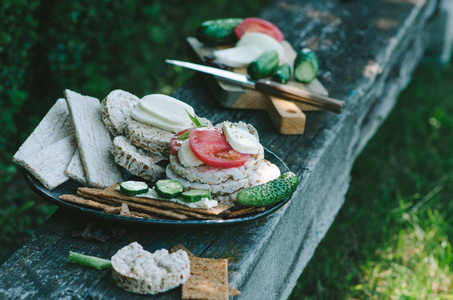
x,y
368,50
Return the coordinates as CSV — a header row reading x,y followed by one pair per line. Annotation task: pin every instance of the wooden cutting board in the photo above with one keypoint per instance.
x,y
287,116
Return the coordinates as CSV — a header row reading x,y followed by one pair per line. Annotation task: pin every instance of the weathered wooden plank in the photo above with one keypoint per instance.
x,y
368,50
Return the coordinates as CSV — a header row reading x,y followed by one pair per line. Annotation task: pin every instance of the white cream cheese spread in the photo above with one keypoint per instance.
x,y
204,203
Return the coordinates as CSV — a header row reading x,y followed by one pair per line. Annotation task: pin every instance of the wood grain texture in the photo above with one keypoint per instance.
x,y
286,116
368,66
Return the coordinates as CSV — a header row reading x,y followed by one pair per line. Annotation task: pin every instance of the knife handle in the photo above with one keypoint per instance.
x,y
288,92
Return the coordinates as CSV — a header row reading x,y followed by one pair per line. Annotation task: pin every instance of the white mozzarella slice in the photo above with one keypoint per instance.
x,y
240,140
143,116
186,156
262,41
168,109
238,57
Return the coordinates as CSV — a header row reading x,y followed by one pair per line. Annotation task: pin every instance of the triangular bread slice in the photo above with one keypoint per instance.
x,y
93,140
49,164
56,125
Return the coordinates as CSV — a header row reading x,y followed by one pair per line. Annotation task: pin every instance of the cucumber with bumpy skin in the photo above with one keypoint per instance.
x,y
282,74
306,66
271,192
217,32
264,65
195,195
133,187
167,188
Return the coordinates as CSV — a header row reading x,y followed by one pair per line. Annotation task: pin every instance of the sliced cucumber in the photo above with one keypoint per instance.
x,y
134,187
217,32
271,192
306,66
167,188
264,65
195,195
282,74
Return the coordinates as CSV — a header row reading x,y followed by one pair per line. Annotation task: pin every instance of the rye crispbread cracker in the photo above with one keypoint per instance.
x,y
75,169
125,210
55,126
93,140
86,192
208,277
246,211
112,193
106,208
231,290
49,164
116,109
87,202
197,215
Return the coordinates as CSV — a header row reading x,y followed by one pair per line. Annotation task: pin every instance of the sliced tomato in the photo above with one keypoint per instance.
x,y
210,146
258,25
175,143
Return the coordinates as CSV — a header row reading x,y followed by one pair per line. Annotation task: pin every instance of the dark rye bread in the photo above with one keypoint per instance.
x,y
93,140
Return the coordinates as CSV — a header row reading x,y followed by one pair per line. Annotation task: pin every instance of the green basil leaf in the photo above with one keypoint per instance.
x,y
185,135
194,118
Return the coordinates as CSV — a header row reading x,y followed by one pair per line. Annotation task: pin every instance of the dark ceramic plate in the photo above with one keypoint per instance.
x,y
70,187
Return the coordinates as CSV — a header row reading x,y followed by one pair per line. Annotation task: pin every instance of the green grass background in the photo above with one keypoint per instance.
x,y
391,239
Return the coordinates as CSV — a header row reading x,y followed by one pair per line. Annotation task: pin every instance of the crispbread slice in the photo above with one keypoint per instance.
x,y
87,202
107,208
231,290
49,164
55,126
208,279
93,140
75,169
135,206
111,192
246,211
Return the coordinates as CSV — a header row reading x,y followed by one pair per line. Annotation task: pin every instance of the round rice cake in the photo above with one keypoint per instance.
x,y
137,161
116,109
265,172
215,175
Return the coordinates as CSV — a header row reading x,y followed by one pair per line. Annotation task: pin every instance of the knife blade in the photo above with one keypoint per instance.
x,y
268,87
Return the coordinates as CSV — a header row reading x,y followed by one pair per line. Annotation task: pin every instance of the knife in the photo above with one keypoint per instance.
x,y
268,87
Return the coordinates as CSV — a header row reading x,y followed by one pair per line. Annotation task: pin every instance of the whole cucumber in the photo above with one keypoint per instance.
x,y
282,74
264,65
217,32
271,192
